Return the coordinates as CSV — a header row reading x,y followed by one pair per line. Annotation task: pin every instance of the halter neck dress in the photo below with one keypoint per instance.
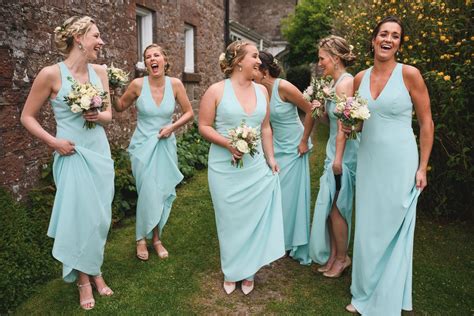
x,y
247,200
320,243
294,174
386,198
154,160
81,214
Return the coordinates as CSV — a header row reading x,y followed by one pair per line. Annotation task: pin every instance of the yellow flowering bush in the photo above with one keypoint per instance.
x,y
439,43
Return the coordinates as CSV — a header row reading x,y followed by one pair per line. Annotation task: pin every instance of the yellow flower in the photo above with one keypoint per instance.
x,y
440,23
472,38
447,78
442,37
410,47
440,73
367,63
406,38
441,57
446,41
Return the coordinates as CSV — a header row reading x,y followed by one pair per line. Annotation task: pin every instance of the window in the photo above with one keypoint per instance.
x,y
188,48
144,31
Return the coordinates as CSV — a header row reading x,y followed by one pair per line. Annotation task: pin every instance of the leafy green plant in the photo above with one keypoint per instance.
x,y
193,151
125,198
302,29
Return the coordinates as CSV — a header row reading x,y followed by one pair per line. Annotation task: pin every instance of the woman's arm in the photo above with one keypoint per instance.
x,y
345,87
40,91
290,93
207,115
356,83
421,100
267,137
122,103
186,107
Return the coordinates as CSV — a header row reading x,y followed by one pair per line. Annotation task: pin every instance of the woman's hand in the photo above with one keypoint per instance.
x,y
91,115
236,154
64,147
420,178
166,131
337,167
315,104
303,148
347,129
273,165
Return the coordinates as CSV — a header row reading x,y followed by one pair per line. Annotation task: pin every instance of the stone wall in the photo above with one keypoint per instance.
x,y
26,46
265,17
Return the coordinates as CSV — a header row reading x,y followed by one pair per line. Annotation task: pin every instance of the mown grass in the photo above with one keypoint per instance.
x,y
189,282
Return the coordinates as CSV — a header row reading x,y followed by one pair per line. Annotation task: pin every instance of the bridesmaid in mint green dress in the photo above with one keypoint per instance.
x,y
390,177
330,233
83,169
247,200
153,146
291,144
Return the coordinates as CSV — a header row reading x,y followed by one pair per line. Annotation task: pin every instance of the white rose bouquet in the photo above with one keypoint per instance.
x,y
351,111
245,139
86,97
318,90
117,77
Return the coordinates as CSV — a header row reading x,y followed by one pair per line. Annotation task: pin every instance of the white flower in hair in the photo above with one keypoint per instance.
x,y
222,57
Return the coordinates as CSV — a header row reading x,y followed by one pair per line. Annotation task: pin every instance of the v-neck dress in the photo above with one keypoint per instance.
x,y
294,174
386,198
320,242
247,200
81,214
154,160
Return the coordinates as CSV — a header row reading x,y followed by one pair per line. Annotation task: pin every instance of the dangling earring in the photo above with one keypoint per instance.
x,y
372,49
397,53
264,76
81,47
240,68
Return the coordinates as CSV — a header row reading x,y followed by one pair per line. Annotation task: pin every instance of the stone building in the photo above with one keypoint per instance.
x,y
191,31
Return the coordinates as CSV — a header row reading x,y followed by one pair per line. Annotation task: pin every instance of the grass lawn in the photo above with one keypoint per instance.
x,y
190,280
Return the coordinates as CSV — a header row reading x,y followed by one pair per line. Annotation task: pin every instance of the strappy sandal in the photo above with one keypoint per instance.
x,y
142,255
105,291
163,254
84,303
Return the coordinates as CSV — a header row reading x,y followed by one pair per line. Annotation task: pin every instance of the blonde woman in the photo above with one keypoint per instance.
x,y
247,200
153,146
330,231
83,169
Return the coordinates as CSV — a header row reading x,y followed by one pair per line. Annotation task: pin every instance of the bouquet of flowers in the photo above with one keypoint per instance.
x,y
86,97
318,90
117,77
351,111
245,139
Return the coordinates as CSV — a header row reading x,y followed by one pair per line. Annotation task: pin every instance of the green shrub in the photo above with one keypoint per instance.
x,y
193,151
439,42
25,251
125,198
300,76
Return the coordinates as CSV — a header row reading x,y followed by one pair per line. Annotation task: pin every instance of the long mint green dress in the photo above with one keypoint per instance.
x,y
154,161
81,214
247,201
386,197
294,174
320,243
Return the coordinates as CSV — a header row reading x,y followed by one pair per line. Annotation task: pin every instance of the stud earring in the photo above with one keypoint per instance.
x,y
240,68
336,66
81,47
264,76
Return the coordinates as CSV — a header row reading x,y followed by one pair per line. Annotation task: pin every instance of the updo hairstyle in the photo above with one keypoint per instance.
x,y
233,55
269,63
162,51
338,46
64,34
